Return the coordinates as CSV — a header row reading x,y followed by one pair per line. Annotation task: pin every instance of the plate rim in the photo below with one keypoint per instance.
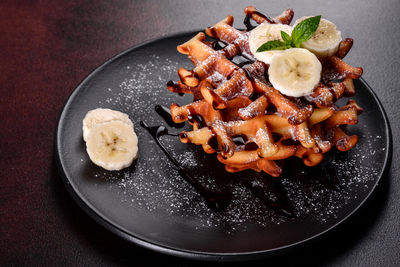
x,y
190,254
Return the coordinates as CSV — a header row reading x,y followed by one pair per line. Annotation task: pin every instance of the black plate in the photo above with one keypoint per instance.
x,y
151,205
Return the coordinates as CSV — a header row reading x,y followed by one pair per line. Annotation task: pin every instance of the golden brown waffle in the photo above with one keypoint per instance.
x,y
237,114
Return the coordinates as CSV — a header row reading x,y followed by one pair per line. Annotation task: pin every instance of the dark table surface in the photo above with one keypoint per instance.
x,y
48,47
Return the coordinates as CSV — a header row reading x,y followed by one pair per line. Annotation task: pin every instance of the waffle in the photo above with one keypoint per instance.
x,y
237,114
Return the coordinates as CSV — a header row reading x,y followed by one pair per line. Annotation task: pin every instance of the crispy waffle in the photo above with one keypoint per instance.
x,y
237,114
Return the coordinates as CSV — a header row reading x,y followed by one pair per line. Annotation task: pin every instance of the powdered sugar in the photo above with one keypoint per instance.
x,y
154,185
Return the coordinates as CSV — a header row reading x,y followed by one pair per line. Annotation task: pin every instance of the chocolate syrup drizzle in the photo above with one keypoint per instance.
x,y
268,190
271,192
247,22
241,61
216,201
165,113
218,45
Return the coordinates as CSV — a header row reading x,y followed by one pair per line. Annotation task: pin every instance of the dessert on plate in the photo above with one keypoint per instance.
x,y
269,92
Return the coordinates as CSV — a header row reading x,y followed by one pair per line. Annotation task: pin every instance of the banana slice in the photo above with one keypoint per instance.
x,y
100,115
263,33
112,145
295,72
326,39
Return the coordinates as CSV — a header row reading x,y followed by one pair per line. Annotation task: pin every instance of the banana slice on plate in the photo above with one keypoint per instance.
x,y
295,72
112,145
326,39
100,115
264,33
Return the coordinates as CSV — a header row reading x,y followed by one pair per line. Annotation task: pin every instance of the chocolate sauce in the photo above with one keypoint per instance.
x,y
248,74
244,63
266,76
251,146
213,142
239,140
254,96
247,22
195,118
272,193
271,109
241,61
182,135
269,20
276,137
218,45
216,201
267,189
225,148
262,187
172,84
165,113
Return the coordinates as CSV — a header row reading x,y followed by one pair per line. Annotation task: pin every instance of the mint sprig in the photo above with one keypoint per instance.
x,y
301,33
273,45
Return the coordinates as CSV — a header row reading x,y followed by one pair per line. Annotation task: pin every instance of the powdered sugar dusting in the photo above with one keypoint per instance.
x,y
154,185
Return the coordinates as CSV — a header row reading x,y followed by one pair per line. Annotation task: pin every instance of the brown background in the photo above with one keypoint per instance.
x,y
48,47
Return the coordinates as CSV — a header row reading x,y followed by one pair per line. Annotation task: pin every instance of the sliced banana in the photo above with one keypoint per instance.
x,y
295,72
264,33
100,115
112,145
326,39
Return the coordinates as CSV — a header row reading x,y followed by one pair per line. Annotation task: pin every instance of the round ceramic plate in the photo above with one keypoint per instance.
x,y
152,205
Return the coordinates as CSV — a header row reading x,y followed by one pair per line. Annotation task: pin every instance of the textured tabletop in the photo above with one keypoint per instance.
x,y
48,47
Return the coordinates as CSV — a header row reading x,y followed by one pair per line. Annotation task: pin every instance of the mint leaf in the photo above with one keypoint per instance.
x,y
285,37
305,30
301,33
273,45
